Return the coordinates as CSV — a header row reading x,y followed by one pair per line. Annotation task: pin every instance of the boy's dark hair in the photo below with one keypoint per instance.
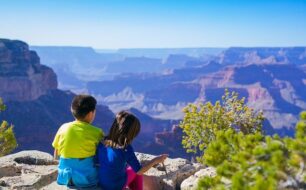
x,y
82,104
124,129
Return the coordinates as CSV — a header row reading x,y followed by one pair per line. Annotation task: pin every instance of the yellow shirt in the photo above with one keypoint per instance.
x,y
77,139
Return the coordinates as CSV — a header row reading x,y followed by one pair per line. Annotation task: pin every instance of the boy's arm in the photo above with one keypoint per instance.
x,y
55,155
96,158
55,144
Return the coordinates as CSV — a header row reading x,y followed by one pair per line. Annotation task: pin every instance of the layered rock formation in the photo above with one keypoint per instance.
x,y
22,77
277,89
272,79
38,170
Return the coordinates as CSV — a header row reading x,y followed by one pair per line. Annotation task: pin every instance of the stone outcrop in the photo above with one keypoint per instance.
x,y
192,181
22,77
27,170
173,174
38,170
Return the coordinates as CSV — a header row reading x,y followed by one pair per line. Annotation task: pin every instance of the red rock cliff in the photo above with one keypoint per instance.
x,y
22,77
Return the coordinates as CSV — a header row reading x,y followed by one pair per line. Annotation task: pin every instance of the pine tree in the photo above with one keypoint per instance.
x,y
7,138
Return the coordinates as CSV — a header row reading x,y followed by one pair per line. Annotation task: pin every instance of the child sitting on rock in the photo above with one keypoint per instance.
x,y
75,144
119,166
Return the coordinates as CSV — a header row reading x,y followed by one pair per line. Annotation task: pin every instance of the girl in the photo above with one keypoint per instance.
x,y
115,152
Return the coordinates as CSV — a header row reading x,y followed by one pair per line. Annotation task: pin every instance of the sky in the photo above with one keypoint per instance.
x,y
113,24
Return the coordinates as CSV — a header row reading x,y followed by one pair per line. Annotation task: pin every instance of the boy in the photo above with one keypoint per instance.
x,y
75,144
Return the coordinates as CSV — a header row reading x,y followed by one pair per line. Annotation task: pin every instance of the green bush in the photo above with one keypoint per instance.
x,y
7,138
257,162
228,136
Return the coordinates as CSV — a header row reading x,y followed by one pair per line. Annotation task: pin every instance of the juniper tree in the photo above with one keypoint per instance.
x,y
202,122
7,138
227,135
257,162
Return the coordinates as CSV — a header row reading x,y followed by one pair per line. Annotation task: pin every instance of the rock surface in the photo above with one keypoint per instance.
x,y
171,176
192,181
27,170
38,170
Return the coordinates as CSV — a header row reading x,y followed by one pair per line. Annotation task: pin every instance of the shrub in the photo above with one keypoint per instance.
x,y
7,138
257,162
227,136
203,122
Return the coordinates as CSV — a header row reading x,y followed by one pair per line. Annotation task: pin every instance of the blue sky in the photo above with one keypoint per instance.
x,y
155,24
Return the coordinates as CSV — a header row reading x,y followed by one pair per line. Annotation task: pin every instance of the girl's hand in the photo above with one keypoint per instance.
x,y
161,158
151,163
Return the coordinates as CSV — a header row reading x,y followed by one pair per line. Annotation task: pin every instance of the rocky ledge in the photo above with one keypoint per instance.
x,y
38,170
27,170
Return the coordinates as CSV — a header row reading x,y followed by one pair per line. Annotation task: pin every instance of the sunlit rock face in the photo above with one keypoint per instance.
x,y
22,77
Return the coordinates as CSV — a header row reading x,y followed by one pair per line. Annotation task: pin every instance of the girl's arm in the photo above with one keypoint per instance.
x,y
151,163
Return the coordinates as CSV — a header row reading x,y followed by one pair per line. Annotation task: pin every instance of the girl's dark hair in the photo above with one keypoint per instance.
x,y
82,104
124,129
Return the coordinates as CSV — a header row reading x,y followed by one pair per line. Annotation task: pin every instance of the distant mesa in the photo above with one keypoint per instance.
x,y
271,79
22,77
261,55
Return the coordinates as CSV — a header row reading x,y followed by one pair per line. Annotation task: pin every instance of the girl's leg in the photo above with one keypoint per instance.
x,y
134,181
137,183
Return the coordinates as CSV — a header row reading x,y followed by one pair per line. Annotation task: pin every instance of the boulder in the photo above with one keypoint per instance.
x,y
27,170
192,181
168,177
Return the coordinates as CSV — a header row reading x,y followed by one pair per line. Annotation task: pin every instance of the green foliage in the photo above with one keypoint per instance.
x,y
256,162
7,138
227,136
202,122
2,106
